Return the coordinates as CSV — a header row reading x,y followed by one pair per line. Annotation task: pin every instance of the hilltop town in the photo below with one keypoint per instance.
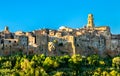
x,y
85,41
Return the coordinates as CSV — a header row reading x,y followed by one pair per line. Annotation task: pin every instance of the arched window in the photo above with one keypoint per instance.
x,y
89,22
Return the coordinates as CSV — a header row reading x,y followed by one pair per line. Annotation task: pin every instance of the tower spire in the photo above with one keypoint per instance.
x,y
90,23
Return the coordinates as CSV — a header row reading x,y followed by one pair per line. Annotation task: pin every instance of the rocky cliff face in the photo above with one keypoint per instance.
x,y
89,41
85,41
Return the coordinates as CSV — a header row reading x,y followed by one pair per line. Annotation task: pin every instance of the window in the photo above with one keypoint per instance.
x,y
60,44
77,45
2,41
9,41
14,41
89,22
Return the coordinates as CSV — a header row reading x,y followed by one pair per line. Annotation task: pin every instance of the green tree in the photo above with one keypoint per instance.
x,y
50,64
93,60
116,62
7,64
75,64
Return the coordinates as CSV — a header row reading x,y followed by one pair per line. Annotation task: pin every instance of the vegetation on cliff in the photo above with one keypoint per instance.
x,y
76,65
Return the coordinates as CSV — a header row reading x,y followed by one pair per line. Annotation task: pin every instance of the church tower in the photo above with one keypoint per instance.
x,y
6,28
90,23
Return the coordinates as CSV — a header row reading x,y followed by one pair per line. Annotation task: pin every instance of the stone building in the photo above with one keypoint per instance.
x,y
31,38
115,42
22,39
6,34
85,41
9,43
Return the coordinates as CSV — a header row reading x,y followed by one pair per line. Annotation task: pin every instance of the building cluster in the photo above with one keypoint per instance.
x,y
85,41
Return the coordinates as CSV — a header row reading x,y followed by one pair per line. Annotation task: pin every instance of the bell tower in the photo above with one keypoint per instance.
x,y
6,28
90,23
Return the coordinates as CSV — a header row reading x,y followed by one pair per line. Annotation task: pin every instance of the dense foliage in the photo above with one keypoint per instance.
x,y
76,65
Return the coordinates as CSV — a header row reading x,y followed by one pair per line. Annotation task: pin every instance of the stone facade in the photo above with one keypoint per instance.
x,y
85,41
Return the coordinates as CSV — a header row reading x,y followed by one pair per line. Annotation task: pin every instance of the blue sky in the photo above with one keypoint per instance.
x,y
28,15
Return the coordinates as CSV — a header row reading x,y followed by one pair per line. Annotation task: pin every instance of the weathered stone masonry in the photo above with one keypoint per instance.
x,y
85,41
